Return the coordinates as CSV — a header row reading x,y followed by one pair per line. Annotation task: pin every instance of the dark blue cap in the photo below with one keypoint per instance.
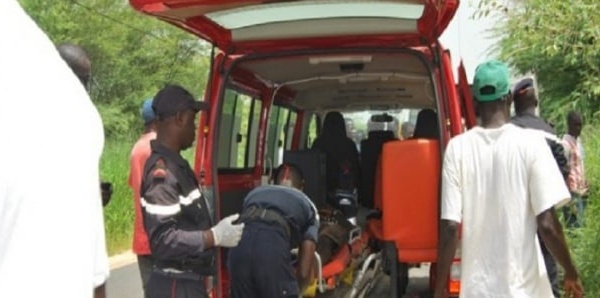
x,y
147,111
172,99
522,85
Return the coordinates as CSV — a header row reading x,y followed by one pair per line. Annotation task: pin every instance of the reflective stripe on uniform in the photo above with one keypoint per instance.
x,y
194,194
160,209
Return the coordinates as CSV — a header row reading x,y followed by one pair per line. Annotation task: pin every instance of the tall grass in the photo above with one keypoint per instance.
x,y
119,214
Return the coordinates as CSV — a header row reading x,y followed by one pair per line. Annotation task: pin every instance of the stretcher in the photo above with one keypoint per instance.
x,y
354,266
400,232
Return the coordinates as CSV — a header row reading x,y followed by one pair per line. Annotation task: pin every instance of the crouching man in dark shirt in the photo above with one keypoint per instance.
x,y
277,219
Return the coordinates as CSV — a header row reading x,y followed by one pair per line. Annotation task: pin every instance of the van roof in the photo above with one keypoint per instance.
x,y
345,81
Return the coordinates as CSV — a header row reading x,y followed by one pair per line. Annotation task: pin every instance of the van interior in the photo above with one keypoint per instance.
x,y
377,92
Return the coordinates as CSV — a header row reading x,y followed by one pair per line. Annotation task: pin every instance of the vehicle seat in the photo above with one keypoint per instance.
x,y
312,165
427,125
370,149
341,156
407,192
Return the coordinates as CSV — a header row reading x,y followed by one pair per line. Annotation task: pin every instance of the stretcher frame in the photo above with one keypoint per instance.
x,y
370,264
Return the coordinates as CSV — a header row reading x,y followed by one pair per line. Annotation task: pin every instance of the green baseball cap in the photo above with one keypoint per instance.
x,y
491,81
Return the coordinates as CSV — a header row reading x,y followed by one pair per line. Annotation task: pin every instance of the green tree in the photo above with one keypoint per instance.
x,y
132,55
560,42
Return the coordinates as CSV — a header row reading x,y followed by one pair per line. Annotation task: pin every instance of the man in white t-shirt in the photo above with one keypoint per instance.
x,y
501,183
51,224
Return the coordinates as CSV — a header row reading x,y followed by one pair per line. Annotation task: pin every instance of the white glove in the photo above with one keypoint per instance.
x,y
227,234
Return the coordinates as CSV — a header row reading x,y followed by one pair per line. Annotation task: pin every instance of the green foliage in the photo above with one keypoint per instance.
x,y
118,214
486,8
560,42
132,55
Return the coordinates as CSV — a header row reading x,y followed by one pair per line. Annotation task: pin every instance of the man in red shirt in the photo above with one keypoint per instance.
x,y
139,154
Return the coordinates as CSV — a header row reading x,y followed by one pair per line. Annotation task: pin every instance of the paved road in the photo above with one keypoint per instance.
x,y
124,282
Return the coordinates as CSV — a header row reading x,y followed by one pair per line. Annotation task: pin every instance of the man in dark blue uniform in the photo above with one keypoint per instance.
x,y
278,218
176,215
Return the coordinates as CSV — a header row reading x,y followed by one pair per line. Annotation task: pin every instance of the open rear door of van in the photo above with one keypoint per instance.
x,y
466,97
238,27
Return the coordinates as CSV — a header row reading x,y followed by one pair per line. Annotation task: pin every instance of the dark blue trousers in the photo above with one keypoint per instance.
x,y
260,266
165,286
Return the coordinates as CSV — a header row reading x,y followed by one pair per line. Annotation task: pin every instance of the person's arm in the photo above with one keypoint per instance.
x,y
107,190
551,232
101,270
547,190
448,241
306,259
100,291
161,207
451,216
306,254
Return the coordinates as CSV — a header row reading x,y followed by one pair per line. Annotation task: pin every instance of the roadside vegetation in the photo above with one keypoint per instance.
x,y
118,214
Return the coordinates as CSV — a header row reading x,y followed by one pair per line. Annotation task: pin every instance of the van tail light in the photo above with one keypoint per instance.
x,y
208,284
454,280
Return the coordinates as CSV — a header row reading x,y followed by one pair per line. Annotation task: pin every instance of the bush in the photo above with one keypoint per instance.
x,y
559,41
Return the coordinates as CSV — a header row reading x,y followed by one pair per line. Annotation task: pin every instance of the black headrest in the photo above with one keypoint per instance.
x,y
427,125
381,134
334,125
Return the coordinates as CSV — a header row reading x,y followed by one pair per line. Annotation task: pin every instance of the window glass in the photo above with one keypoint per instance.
x,y
238,131
277,135
253,133
244,17
289,131
312,131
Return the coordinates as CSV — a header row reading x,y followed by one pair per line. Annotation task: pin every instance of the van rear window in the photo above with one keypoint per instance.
x,y
280,134
238,131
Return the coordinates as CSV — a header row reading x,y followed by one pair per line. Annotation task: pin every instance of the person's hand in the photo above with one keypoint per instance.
x,y
106,188
226,233
573,288
586,189
440,293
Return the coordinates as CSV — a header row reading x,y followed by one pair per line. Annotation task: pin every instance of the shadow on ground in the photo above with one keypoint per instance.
x,y
418,286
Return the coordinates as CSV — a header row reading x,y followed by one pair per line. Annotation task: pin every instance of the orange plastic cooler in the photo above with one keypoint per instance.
x,y
407,192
